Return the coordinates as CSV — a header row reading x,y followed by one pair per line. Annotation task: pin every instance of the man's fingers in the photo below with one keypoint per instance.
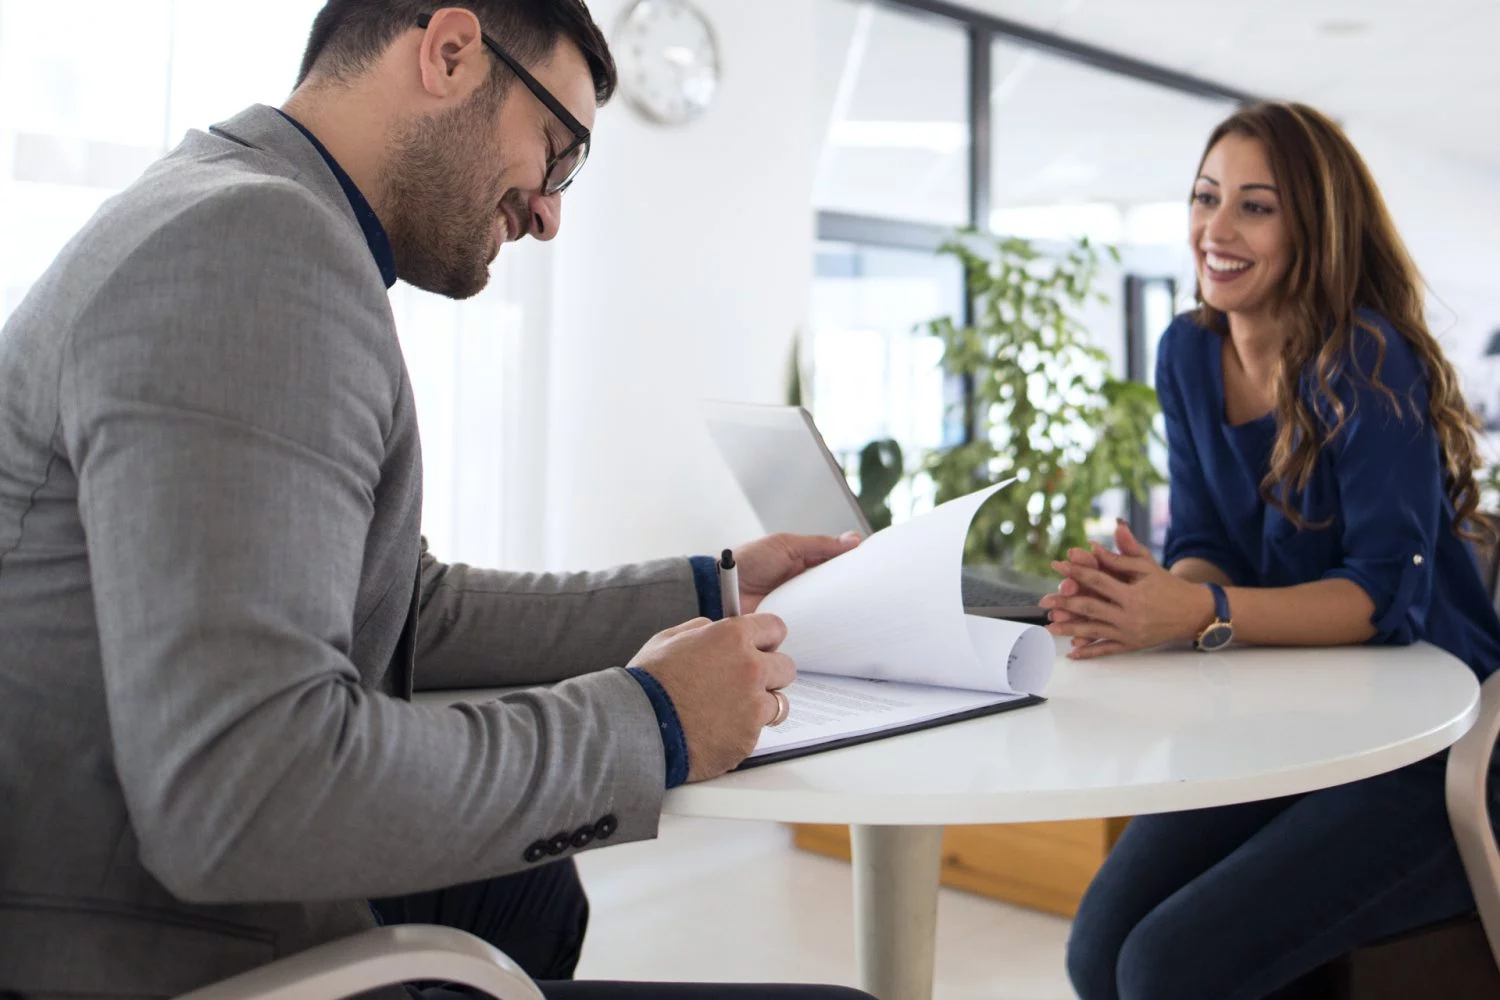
x,y
696,623
767,632
780,671
811,550
770,708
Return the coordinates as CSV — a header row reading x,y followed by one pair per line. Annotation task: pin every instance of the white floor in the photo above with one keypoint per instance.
x,y
725,901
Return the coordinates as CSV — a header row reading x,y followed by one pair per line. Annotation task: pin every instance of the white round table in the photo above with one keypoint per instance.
x,y
1153,732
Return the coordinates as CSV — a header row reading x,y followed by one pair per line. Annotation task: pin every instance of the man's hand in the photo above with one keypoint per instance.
x,y
720,676
770,562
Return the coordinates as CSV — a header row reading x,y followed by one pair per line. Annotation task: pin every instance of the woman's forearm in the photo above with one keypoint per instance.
x,y
1323,613
1200,571
1113,603
1326,613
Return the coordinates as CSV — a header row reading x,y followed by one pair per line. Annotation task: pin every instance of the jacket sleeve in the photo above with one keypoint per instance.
x,y
226,414
485,628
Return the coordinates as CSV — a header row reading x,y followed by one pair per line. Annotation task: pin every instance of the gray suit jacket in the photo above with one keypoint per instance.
x,y
212,583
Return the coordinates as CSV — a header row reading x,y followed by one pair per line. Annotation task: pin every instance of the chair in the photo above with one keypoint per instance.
x,y
385,956
1467,790
1458,959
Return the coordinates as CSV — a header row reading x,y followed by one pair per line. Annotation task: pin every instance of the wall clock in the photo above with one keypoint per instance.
x,y
668,59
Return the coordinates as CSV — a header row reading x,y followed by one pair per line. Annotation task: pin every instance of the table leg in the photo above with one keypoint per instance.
x,y
896,872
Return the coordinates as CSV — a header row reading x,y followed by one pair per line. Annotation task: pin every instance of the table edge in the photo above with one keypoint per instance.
x,y
1030,806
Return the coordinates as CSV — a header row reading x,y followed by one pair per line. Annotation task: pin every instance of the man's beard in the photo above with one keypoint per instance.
x,y
445,199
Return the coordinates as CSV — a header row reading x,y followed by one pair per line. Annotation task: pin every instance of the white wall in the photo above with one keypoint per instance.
x,y
1448,211
475,369
682,271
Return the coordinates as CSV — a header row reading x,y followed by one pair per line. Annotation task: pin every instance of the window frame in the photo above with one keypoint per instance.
x,y
983,31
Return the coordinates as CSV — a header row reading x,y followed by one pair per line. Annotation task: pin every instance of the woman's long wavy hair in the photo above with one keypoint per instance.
x,y
1346,255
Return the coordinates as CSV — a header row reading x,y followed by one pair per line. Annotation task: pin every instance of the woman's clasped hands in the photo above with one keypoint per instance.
x,y
1112,602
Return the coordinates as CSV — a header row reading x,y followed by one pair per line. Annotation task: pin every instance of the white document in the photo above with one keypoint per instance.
x,y
827,708
881,640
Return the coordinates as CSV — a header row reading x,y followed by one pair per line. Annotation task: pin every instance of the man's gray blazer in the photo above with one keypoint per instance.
x,y
212,583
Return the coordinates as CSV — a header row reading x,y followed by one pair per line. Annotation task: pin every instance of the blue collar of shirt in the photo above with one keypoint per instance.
x,y
375,234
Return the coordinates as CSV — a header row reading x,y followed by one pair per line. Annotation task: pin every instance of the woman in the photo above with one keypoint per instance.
x,y
1322,468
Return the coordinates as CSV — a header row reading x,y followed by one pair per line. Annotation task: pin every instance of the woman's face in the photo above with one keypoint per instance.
x,y
1239,231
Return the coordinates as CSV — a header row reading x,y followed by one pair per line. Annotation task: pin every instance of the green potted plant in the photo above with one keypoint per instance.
x,y
1045,407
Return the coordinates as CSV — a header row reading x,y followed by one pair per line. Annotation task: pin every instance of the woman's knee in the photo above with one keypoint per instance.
x,y
1159,962
1091,962
1149,962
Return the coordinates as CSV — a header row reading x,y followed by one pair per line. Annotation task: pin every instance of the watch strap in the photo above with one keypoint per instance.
x,y
1221,603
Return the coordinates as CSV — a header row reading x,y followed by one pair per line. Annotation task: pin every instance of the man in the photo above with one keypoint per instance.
x,y
214,599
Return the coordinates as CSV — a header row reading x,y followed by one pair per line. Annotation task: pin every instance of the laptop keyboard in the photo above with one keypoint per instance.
x,y
980,591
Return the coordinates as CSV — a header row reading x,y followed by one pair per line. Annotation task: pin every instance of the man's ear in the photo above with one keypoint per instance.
x,y
451,55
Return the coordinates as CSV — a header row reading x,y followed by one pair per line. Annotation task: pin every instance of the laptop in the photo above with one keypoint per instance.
x,y
794,484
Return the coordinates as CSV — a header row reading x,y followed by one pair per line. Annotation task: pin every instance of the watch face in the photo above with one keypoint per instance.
x,y
1215,637
668,58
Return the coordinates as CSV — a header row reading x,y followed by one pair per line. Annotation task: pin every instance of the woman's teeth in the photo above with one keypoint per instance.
x,y
1224,265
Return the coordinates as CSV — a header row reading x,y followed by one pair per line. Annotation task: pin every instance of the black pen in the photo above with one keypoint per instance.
x,y
729,584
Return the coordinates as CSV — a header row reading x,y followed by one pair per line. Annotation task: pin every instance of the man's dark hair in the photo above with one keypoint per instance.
x,y
348,34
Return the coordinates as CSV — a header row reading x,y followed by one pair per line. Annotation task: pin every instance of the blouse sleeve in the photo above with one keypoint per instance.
x,y
1195,529
1389,472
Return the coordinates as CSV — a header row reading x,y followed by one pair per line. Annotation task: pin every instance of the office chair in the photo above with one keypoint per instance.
x,y
1458,959
385,956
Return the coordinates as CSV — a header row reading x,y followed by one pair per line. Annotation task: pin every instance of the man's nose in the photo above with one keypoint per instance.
x,y
546,215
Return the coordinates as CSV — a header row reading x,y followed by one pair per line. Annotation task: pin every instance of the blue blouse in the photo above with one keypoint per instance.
x,y
1379,483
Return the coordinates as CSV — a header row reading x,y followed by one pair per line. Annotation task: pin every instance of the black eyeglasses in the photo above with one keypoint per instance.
x,y
563,168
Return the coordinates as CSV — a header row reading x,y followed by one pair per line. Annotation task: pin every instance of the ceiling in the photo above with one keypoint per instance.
x,y
1426,70
896,90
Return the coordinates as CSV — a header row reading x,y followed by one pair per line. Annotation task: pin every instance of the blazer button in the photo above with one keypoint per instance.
x,y
605,828
558,844
535,853
584,837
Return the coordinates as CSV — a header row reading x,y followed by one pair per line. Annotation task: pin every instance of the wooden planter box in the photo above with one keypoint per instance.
x,y
1044,866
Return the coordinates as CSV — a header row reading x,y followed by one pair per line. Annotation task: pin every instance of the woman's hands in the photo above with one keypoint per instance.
x,y
1119,602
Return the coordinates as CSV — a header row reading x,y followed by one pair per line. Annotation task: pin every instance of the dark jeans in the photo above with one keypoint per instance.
x,y
1235,903
538,917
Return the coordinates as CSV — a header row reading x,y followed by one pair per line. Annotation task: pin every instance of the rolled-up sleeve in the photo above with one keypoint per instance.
x,y
1195,529
1389,471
